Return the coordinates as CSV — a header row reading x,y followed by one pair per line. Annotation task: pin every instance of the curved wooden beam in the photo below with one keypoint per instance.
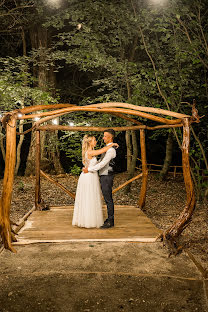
x,y
58,113
141,108
5,201
164,126
34,108
127,118
96,129
105,105
77,128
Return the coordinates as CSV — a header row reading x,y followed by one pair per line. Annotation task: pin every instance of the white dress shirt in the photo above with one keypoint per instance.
x,y
103,165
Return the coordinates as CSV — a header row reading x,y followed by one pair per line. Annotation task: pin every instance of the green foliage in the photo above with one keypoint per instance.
x,y
75,170
70,143
16,85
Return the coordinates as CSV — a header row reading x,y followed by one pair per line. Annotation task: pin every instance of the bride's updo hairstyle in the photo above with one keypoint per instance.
x,y
87,139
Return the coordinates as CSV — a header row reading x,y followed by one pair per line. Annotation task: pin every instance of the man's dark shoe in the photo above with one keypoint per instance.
x,y
107,225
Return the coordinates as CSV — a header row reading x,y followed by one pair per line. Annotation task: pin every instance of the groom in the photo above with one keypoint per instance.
x,y
105,168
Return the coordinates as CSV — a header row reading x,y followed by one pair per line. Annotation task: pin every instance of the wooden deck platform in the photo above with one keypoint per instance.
x,y
55,225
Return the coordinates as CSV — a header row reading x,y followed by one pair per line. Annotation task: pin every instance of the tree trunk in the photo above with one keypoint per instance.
x,y
21,122
128,149
50,158
135,152
133,158
30,165
21,139
168,156
54,153
131,142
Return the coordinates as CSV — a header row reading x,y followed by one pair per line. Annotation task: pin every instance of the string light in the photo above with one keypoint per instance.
x,y
55,121
71,123
19,115
36,118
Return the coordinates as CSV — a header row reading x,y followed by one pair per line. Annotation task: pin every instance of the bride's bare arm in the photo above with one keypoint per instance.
x,y
101,150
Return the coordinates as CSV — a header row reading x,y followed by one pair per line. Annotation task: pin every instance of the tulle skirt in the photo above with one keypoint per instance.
x,y
88,203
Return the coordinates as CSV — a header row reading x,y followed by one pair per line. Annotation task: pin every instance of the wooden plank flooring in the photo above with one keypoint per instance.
x,y
131,224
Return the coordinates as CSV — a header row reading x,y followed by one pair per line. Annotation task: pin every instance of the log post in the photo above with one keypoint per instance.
x,y
37,173
185,217
5,201
143,191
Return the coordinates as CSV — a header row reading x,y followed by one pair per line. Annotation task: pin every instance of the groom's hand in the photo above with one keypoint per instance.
x,y
85,170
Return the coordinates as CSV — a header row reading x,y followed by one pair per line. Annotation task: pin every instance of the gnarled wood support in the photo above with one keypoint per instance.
x,y
143,191
5,201
39,204
37,173
185,217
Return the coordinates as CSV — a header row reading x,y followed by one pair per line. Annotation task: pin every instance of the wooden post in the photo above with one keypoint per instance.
x,y
5,201
126,183
143,191
37,173
174,173
185,217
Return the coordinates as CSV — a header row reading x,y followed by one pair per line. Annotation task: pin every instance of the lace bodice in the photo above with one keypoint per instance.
x,y
90,162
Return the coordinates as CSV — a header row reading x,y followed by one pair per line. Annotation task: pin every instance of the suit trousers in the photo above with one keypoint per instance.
x,y
106,182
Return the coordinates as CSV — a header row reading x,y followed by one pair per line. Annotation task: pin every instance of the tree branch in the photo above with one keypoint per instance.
x,y
190,41
10,12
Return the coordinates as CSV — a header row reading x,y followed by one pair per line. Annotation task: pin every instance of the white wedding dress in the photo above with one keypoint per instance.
x,y
88,203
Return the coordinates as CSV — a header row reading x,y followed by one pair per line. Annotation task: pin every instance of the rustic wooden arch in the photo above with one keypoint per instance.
x,y
122,110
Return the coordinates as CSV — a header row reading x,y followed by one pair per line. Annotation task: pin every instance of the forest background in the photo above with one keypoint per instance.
x,y
143,52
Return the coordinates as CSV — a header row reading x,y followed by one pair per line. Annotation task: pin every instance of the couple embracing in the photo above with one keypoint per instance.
x,y
88,202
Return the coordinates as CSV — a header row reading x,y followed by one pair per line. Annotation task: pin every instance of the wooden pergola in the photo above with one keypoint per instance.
x,y
122,110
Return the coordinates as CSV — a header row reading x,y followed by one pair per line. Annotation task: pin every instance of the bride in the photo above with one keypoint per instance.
x,y
88,204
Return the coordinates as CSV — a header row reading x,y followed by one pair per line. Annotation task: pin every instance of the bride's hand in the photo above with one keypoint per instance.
x,y
85,170
116,145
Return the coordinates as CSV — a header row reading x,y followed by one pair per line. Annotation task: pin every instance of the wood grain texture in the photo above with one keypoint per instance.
x,y
5,201
56,225
142,197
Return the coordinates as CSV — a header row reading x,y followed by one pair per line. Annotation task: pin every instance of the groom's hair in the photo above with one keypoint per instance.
x,y
111,131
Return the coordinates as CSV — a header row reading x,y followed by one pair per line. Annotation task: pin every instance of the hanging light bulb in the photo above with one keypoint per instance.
x,y
36,118
71,124
55,121
79,26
